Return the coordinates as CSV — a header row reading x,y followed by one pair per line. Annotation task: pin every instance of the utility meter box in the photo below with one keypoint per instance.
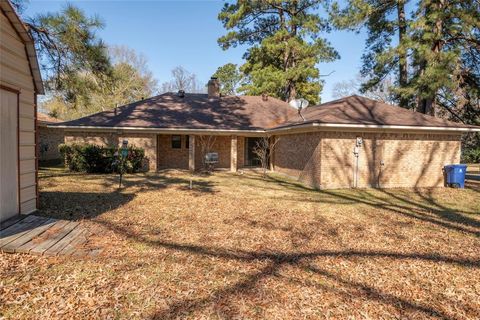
x,y
359,141
124,150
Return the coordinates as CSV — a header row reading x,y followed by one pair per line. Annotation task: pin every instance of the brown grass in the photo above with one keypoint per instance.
x,y
238,246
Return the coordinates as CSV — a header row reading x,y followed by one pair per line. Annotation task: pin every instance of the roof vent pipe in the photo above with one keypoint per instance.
x,y
213,88
181,93
264,97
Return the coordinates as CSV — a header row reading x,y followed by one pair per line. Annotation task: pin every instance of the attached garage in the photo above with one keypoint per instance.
x,y
20,82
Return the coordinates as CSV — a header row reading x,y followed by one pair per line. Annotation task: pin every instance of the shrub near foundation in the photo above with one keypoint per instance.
x,y
92,158
471,156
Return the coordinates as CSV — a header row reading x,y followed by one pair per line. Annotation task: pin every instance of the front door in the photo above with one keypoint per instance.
x,y
8,154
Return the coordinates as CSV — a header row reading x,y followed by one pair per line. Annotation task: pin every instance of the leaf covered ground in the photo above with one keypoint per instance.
x,y
239,246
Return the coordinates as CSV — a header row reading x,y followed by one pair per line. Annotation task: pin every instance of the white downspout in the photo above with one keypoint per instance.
x,y
356,153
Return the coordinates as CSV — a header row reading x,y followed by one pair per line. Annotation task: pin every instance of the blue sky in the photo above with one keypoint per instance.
x,y
172,33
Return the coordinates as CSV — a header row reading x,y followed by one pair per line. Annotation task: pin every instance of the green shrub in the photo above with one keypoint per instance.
x,y
98,159
135,159
471,156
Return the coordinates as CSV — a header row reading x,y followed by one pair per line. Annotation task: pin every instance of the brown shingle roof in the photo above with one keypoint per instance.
x,y
45,119
197,111
356,110
194,111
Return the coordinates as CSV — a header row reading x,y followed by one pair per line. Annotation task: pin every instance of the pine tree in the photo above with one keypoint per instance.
x,y
129,80
440,42
286,46
68,49
446,54
229,77
386,22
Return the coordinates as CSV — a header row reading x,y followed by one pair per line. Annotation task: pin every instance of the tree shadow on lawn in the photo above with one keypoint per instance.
x,y
224,299
80,205
157,181
426,209
87,205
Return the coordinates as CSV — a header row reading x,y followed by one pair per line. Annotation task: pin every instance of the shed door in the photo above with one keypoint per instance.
x,y
8,155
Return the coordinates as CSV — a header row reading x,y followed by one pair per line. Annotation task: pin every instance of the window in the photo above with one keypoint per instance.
x,y
251,159
187,141
176,142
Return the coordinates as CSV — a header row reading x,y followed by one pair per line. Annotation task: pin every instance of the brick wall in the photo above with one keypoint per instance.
x,y
220,145
178,158
170,158
326,160
298,156
48,141
147,141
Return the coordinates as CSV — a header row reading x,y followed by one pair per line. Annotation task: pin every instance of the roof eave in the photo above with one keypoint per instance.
x,y
159,130
312,125
29,44
293,128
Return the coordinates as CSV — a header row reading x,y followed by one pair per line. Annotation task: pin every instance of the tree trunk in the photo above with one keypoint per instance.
x,y
428,105
403,68
290,58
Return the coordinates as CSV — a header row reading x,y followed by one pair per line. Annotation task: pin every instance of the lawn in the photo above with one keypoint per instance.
x,y
239,246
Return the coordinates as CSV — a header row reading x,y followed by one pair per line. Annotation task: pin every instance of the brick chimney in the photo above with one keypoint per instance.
x,y
213,88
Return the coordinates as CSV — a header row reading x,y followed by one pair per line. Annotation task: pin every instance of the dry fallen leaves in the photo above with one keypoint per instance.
x,y
245,247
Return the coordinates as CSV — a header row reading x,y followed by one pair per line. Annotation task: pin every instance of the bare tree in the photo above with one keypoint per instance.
x,y
263,149
182,79
206,145
350,87
125,55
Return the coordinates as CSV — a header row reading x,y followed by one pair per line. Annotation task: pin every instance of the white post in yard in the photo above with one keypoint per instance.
x,y
271,156
191,153
233,154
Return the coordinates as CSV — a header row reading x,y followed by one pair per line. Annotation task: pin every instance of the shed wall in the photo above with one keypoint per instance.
x,y
16,74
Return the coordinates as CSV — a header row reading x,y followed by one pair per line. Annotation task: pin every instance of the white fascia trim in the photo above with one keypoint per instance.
x,y
156,130
372,126
284,129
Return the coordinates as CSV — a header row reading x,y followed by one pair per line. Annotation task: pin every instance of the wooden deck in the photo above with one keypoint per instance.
x,y
45,236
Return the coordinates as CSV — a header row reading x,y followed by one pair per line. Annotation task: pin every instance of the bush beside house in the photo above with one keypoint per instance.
x,y
92,158
471,156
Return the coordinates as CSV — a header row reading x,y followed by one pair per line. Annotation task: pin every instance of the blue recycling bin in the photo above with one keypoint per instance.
x,y
455,175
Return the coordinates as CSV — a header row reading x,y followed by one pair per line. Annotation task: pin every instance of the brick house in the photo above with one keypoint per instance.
x,y
350,142
48,138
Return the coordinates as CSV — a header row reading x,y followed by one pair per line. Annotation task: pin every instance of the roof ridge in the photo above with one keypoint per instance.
x,y
334,101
